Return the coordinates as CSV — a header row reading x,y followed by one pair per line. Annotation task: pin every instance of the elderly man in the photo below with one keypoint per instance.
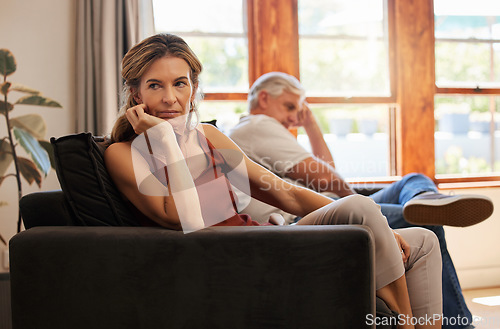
x,y
277,102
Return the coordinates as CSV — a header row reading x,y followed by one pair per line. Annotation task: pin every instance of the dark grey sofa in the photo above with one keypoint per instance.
x,y
224,277
82,263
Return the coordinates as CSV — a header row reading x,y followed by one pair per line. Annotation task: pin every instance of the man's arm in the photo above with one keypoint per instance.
x,y
320,176
313,131
318,172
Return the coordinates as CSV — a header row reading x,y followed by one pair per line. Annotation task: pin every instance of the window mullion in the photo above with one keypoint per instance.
x,y
273,37
415,86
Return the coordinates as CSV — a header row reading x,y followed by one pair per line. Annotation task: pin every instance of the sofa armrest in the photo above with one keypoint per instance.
x,y
219,277
368,189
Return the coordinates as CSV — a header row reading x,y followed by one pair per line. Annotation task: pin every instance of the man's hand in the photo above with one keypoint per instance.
x,y
305,117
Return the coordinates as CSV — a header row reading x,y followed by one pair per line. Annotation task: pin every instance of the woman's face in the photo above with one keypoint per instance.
x,y
166,89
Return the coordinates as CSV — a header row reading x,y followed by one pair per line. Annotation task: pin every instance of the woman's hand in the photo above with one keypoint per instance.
x,y
404,247
140,120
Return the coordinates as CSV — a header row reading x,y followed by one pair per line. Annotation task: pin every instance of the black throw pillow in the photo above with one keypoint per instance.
x,y
87,186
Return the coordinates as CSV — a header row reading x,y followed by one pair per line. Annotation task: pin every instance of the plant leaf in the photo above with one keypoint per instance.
x,y
24,89
31,145
7,62
29,171
4,87
31,123
5,106
50,150
38,100
5,156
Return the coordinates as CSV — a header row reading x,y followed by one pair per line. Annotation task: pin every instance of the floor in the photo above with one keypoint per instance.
x,y
485,307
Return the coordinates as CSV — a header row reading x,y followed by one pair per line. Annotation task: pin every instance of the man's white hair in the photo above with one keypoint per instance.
x,y
274,83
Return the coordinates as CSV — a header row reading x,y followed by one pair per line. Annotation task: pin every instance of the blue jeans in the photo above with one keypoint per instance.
x,y
391,199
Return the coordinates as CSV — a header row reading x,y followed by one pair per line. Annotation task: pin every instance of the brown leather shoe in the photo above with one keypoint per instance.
x,y
452,210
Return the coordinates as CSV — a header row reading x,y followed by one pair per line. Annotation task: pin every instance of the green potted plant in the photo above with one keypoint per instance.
x,y
26,131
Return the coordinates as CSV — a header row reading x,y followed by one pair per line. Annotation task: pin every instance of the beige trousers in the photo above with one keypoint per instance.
x,y
423,267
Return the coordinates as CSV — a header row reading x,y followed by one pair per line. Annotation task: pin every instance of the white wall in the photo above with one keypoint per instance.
x,y
474,249
40,34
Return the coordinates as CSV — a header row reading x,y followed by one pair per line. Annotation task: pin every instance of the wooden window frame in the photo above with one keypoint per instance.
x,y
457,181
273,45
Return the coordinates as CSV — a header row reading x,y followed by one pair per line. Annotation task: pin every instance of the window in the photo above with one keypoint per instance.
x,y
467,137
408,66
227,113
216,31
344,50
467,57
356,136
467,43
344,56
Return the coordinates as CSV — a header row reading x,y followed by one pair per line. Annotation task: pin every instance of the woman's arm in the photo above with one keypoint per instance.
x,y
155,202
266,186
171,202
159,146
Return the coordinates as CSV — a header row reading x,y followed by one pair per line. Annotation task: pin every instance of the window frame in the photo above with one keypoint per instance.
x,y
273,44
455,180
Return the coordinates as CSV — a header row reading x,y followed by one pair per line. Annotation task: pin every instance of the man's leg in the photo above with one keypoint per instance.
x,y
424,205
405,189
454,305
392,199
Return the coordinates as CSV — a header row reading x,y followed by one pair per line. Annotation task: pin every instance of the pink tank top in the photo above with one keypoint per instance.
x,y
215,176
217,198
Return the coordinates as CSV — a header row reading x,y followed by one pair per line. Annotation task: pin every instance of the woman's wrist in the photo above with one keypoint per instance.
x,y
159,141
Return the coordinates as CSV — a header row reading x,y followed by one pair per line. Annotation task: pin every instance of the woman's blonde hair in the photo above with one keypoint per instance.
x,y
136,62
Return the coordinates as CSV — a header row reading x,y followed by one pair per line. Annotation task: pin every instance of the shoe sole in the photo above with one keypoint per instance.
x,y
459,212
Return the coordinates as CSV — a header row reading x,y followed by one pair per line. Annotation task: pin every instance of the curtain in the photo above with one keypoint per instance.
x,y
105,31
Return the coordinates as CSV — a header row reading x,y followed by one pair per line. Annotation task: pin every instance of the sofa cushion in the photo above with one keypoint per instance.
x,y
87,186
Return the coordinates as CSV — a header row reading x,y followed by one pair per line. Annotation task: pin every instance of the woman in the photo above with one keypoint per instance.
x,y
175,173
